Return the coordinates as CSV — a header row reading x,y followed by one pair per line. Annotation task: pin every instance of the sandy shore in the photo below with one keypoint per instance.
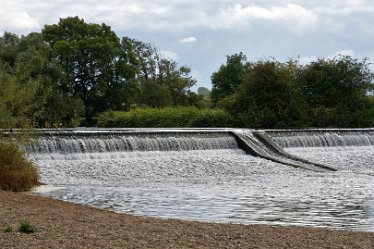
x,y
66,225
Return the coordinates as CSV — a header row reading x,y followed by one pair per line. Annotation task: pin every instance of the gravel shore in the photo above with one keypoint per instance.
x,y
67,225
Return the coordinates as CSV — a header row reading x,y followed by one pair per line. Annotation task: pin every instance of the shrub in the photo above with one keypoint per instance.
x,y
26,227
17,173
212,118
165,117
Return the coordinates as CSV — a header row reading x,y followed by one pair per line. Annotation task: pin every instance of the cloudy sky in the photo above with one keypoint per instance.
x,y
201,33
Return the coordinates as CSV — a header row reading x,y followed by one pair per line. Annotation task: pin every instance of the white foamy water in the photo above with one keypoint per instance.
x,y
219,185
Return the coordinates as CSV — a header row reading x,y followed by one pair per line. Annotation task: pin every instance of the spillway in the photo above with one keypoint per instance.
x,y
80,144
219,175
323,137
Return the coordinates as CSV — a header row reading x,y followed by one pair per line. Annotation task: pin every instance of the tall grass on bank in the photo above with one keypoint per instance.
x,y
17,173
166,117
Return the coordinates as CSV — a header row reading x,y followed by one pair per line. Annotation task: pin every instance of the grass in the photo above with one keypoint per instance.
x,y
27,227
17,173
24,227
8,229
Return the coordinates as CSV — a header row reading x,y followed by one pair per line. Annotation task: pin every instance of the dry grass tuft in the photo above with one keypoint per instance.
x,y
17,173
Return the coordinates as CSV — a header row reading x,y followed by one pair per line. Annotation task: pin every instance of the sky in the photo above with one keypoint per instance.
x,y
200,34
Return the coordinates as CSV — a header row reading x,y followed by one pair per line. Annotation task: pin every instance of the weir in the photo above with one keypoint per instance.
x,y
68,142
259,143
323,137
210,174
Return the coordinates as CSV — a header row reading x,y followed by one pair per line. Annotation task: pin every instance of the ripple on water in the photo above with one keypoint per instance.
x,y
222,186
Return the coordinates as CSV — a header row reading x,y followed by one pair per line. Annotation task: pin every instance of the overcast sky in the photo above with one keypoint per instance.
x,y
201,33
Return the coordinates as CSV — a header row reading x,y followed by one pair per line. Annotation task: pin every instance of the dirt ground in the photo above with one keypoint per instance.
x,y
66,225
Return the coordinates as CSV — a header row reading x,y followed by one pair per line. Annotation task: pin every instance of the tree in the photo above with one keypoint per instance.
x,y
96,64
203,91
18,100
162,81
204,98
336,91
26,67
8,48
269,97
229,76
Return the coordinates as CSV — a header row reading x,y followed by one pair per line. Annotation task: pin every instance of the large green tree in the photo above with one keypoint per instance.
x,y
162,81
229,76
18,100
28,96
96,64
336,91
269,97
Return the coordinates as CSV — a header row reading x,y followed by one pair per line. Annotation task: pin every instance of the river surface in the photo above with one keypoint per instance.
x,y
220,185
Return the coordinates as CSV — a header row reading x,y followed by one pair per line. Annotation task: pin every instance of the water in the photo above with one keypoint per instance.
x,y
218,184
325,138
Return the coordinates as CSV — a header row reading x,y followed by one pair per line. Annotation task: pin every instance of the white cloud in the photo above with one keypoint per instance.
x,y
190,39
260,28
169,55
17,22
346,52
292,15
307,59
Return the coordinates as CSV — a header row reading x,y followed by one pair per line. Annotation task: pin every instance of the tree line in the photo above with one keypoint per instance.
x,y
75,73
72,71
333,92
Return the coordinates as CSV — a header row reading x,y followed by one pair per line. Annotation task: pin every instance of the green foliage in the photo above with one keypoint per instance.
x,y
74,69
155,95
229,76
162,81
268,98
336,91
204,98
27,93
271,94
8,229
203,91
96,64
17,173
27,227
212,118
20,101
165,117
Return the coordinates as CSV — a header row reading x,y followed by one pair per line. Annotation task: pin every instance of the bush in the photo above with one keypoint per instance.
x,y
212,118
165,117
26,227
17,173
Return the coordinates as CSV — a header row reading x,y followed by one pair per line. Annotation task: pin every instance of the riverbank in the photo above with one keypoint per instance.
x,y
67,225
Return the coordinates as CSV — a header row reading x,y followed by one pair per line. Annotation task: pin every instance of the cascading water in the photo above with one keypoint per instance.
x,y
88,146
204,175
321,138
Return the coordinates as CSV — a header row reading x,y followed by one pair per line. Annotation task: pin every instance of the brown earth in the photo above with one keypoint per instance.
x,y
66,225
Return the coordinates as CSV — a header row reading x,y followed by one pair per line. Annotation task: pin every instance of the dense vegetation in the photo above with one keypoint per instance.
x,y
76,73
17,173
166,117
72,71
268,94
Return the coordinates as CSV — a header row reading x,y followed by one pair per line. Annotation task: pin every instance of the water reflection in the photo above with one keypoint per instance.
x,y
224,186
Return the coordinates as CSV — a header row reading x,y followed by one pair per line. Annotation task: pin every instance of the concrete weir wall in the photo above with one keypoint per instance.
x,y
254,142
259,143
